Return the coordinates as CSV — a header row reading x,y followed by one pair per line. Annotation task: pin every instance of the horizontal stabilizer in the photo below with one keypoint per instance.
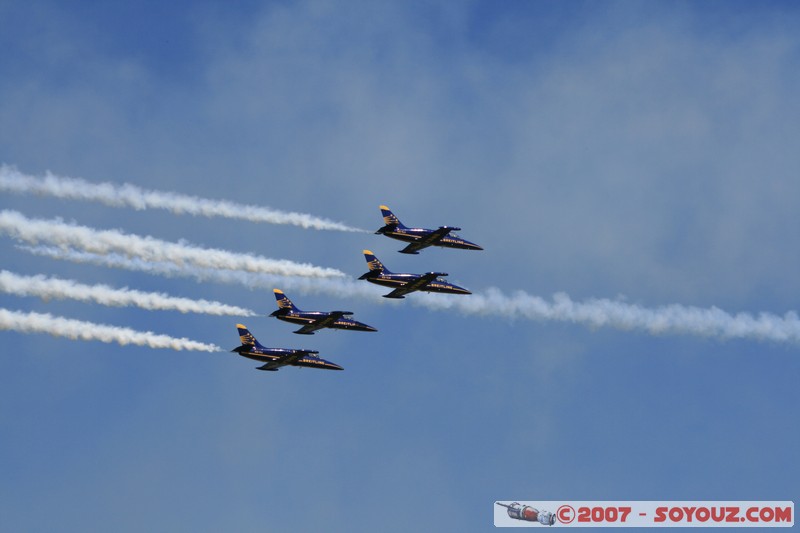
x,y
411,249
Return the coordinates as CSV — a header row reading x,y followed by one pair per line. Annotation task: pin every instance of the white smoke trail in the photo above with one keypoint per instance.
x,y
335,287
65,235
80,330
670,319
127,195
60,289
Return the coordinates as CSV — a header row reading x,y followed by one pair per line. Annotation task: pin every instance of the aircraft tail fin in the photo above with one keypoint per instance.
x,y
389,218
374,263
246,337
283,301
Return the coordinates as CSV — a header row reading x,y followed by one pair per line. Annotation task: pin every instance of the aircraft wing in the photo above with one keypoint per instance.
x,y
309,329
332,317
283,361
416,285
399,292
428,240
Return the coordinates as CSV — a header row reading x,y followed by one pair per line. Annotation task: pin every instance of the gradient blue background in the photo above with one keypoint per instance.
x,y
641,150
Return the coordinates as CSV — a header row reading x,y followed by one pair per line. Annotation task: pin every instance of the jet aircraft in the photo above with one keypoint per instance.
x,y
406,283
422,238
278,357
314,320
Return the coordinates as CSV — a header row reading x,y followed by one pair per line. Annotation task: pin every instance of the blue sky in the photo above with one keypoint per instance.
x,y
636,150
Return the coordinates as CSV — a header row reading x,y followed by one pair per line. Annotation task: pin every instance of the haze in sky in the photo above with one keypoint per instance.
x,y
630,169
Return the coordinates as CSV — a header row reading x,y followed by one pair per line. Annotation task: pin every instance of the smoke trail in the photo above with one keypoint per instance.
x,y
669,319
127,195
55,288
85,331
65,235
335,287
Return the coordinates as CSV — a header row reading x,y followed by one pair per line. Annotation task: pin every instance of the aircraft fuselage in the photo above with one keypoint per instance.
x,y
311,317
268,355
400,280
327,320
417,234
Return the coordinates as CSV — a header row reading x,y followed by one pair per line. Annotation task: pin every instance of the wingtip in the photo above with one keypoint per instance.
x,y
367,252
384,207
277,291
241,326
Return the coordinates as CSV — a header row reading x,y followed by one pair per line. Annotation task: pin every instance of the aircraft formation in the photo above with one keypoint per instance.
x,y
402,284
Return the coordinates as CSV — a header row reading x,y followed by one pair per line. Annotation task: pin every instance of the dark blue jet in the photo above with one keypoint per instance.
x,y
314,320
406,283
278,357
422,238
